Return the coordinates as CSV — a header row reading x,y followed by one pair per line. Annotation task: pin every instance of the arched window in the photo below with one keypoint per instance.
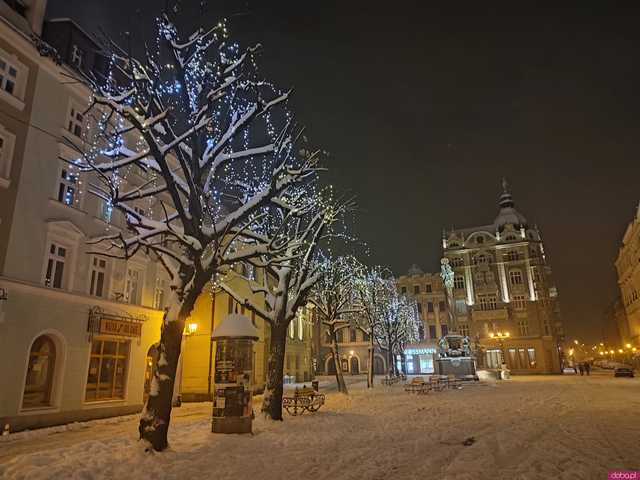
x,y
39,382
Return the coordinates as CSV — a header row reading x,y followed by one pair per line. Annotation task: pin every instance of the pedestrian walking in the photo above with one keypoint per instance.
x,y
581,368
587,368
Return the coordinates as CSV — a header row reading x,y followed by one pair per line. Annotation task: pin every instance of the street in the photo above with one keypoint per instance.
x,y
529,427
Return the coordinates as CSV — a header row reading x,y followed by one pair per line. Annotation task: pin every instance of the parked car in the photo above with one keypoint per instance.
x,y
623,372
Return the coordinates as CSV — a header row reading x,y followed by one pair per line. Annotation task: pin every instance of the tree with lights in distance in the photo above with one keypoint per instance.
x,y
399,322
336,302
191,128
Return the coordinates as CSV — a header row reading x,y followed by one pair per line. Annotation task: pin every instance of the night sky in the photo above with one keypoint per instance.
x,y
425,109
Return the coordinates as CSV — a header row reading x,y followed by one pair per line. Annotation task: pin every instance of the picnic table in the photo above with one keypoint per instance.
x,y
303,400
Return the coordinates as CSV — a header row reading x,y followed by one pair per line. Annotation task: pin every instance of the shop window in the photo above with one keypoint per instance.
x,y
56,258
532,357
513,359
107,370
522,356
40,370
493,358
98,275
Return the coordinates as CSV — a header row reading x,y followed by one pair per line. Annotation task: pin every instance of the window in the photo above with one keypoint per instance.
x,y
428,288
352,335
54,275
98,274
105,211
515,276
68,186
494,358
8,77
403,290
522,357
292,331
480,239
432,331
487,302
513,359
519,302
7,140
441,306
416,289
480,260
464,329
300,325
133,286
107,368
461,306
366,337
158,294
512,256
339,336
77,56
75,122
458,282
457,261
523,327
430,307
419,305
445,330
532,357
39,382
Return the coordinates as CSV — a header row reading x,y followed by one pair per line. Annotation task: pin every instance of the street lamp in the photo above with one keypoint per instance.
x,y
500,337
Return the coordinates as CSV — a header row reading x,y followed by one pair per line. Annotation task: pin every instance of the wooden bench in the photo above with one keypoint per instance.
x,y
303,400
417,385
390,380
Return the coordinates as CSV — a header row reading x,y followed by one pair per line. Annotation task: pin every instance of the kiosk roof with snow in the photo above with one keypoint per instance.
x,y
235,325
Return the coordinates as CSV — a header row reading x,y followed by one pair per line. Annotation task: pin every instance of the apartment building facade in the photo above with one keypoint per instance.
x,y
626,264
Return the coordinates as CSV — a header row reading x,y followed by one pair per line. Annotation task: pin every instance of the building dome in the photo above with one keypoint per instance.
x,y
508,215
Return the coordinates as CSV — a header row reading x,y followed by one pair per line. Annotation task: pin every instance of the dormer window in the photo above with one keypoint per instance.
x,y
77,56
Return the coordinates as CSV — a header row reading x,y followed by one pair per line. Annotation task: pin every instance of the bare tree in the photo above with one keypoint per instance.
x,y
191,126
336,302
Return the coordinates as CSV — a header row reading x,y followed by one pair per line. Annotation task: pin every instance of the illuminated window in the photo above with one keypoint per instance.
x,y
532,357
68,186
107,369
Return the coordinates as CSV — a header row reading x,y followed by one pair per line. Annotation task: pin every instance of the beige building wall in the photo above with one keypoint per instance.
x,y
627,267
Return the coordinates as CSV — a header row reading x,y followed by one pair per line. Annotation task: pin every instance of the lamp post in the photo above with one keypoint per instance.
x,y
500,337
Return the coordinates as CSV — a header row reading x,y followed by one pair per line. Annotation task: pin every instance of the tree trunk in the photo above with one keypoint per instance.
x,y
272,400
390,361
371,373
156,415
342,386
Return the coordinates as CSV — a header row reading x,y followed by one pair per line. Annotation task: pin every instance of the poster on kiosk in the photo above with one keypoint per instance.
x,y
233,390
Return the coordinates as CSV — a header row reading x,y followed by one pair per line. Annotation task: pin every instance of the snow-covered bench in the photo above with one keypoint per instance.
x,y
303,400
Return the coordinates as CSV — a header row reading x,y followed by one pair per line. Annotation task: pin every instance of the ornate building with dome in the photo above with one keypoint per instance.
x,y
504,295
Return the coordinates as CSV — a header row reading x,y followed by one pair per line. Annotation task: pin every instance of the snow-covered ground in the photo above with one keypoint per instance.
x,y
530,427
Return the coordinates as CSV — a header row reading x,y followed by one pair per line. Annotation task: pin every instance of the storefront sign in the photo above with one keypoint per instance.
x,y
419,351
120,327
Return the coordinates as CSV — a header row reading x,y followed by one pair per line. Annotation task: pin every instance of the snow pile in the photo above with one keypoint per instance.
x,y
527,428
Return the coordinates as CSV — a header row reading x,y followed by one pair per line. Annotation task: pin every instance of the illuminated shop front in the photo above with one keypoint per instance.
x,y
419,358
